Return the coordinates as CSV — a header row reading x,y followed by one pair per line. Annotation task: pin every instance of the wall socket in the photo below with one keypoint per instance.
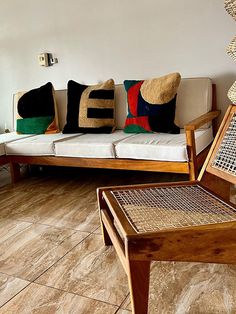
x,y
43,59
46,59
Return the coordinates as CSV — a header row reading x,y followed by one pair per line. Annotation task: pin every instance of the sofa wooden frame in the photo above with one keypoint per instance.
x,y
190,167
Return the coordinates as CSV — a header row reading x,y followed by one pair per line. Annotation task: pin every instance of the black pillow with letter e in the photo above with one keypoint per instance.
x,y
90,109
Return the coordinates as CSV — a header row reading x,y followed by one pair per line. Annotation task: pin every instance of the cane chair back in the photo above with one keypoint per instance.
x,y
221,160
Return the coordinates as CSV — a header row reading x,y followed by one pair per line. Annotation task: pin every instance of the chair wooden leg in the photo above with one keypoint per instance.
x,y
138,276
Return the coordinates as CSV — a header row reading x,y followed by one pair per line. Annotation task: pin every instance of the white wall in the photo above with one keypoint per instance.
x,y
96,40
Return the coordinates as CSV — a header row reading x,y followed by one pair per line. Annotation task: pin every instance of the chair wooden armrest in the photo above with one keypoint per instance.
x,y
203,119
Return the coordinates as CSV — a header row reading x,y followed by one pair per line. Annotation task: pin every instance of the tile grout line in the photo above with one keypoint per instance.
x,y
84,296
73,292
17,231
64,291
73,232
16,293
54,288
33,281
59,227
60,289
120,307
52,226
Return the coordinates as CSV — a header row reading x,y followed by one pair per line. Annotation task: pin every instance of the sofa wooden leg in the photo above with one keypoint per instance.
x,y
191,148
15,172
192,173
139,275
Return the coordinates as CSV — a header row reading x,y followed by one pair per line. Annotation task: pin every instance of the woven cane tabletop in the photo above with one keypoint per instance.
x,y
155,209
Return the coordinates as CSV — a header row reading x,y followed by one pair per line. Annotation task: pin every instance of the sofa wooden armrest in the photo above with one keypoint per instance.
x,y
197,160
203,119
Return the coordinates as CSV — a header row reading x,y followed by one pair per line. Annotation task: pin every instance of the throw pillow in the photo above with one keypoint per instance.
x,y
90,109
36,111
151,104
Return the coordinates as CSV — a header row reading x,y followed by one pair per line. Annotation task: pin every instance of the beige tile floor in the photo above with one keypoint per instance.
x,y
52,259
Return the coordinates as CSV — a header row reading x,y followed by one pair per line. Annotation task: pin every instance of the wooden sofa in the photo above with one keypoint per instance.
x,y
195,113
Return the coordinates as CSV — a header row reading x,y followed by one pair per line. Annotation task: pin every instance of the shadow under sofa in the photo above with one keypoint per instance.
x,y
176,153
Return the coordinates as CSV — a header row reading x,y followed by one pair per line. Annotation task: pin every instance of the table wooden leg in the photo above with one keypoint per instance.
x,y
138,275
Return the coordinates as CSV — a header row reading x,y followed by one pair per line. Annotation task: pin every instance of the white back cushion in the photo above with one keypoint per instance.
x,y
194,98
61,99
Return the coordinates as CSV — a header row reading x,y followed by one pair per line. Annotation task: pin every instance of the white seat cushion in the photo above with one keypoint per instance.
x,y
12,136
38,145
9,137
2,149
90,145
161,146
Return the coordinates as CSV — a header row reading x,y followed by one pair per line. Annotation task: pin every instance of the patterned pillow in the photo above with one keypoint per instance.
x,y
90,109
151,104
36,111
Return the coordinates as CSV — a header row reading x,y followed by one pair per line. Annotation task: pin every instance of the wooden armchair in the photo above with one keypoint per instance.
x,y
191,221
